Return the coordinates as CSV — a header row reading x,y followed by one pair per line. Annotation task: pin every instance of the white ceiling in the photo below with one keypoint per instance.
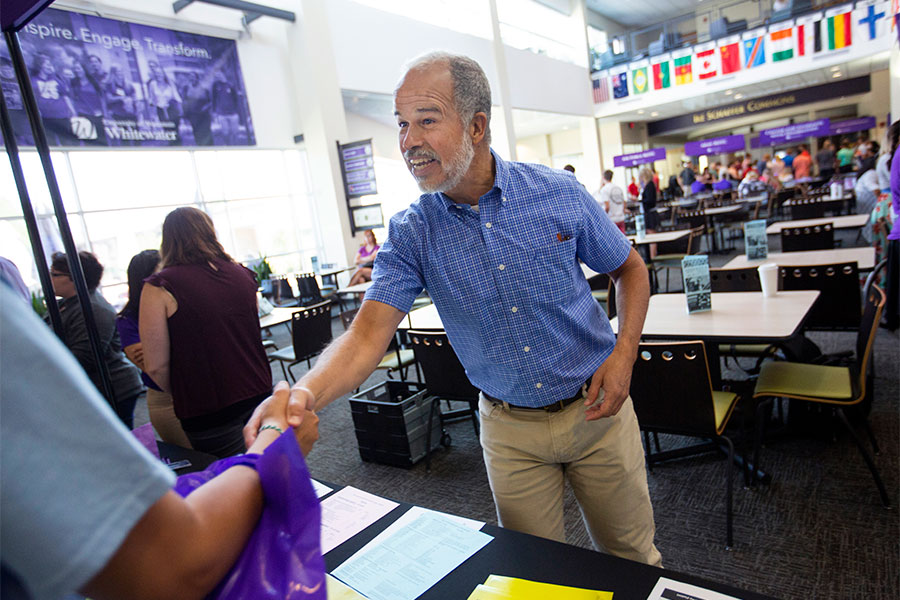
x,y
638,13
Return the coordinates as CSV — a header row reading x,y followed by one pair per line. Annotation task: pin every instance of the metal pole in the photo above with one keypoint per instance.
x,y
43,148
40,260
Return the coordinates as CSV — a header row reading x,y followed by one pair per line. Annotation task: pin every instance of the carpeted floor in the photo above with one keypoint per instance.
x,y
818,530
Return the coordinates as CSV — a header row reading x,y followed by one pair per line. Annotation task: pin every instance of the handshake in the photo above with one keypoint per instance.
x,y
286,408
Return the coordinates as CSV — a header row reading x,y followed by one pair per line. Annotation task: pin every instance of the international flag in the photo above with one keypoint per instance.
x,y
639,81
782,44
754,51
620,85
683,69
661,78
809,35
731,57
872,20
840,31
707,66
599,88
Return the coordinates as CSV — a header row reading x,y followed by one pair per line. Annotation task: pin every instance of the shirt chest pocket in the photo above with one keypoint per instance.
x,y
550,275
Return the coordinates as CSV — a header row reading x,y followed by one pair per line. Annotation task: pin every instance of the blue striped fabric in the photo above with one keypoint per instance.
x,y
506,282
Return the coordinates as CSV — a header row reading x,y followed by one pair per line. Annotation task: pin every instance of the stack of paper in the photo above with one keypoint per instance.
x,y
497,587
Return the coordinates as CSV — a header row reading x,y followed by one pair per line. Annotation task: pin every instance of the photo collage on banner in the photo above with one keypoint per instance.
x,y
102,82
784,42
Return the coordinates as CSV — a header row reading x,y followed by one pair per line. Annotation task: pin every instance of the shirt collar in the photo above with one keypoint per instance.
x,y
501,181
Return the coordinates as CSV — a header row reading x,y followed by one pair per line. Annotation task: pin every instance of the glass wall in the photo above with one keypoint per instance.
x,y
259,200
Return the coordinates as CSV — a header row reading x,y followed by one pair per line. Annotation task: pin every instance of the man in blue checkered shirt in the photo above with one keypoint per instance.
x,y
497,244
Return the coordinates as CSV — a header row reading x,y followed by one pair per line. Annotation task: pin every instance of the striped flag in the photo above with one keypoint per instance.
x,y
782,42
754,51
840,28
599,88
731,57
661,78
809,35
683,69
639,81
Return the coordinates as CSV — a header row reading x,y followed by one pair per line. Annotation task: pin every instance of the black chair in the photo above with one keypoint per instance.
x,y
308,289
735,280
310,333
445,377
670,254
838,388
816,237
277,290
808,208
672,393
838,307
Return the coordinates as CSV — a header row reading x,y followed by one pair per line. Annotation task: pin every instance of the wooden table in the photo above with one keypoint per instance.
x,y
864,258
426,317
844,222
278,316
735,317
359,288
662,236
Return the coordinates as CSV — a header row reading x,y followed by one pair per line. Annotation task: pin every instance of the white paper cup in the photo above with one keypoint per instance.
x,y
768,277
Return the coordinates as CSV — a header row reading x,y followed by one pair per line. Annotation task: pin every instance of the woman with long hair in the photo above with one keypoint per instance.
x,y
159,403
201,336
365,259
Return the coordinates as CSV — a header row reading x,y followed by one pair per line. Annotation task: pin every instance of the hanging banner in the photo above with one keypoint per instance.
x,y
639,158
851,125
797,131
102,82
728,143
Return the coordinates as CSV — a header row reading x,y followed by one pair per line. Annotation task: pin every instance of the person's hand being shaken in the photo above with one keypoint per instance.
x,y
281,410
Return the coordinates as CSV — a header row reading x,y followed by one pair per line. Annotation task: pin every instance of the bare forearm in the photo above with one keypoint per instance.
x,y
632,297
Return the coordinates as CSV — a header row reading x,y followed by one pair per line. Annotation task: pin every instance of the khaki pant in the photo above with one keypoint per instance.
x,y
529,454
162,416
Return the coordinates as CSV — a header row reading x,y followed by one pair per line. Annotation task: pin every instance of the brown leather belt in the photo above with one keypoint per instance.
x,y
551,408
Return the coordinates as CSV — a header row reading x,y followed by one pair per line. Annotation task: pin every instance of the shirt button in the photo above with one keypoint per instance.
x,y
501,267
503,198
514,309
538,385
526,348
488,225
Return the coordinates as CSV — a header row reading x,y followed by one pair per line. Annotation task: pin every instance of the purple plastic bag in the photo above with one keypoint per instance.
x,y
282,558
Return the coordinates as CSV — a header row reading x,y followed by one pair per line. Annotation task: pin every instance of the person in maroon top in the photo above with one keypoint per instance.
x,y
200,333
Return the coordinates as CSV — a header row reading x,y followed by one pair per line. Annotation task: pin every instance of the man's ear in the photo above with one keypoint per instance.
x,y
478,127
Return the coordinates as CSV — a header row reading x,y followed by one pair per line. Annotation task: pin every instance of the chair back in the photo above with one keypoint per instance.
x,y
680,246
670,388
865,338
798,239
873,278
838,306
735,280
808,208
347,317
308,289
444,374
311,330
278,290
693,218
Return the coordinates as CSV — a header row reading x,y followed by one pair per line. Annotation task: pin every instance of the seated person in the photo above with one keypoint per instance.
x,y
124,376
751,185
365,258
698,186
723,185
86,508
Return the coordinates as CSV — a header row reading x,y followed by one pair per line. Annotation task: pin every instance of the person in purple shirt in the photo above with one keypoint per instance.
x,y
88,101
892,310
54,102
722,185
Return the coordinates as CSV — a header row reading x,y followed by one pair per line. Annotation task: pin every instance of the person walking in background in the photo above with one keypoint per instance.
x,y
825,160
845,156
124,377
612,199
802,163
159,403
200,334
541,350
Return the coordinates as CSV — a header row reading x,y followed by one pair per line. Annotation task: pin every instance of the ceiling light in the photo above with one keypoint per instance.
x,y
641,111
654,114
729,92
835,68
838,74
738,96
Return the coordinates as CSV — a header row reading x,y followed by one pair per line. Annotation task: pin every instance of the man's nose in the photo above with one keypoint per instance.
x,y
410,139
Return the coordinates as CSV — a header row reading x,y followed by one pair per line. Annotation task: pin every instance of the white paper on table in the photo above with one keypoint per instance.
x,y
417,556
320,488
417,511
347,512
669,589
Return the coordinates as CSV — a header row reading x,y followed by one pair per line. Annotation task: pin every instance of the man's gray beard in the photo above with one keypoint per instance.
x,y
457,167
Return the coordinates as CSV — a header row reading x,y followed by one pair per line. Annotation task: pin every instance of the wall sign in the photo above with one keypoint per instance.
x,y
797,131
728,143
639,158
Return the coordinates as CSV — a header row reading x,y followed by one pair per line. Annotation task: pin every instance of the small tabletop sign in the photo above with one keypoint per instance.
x,y
756,241
695,270
640,229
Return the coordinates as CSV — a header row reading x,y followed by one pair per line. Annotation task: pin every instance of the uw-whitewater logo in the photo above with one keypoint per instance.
x,y
83,129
